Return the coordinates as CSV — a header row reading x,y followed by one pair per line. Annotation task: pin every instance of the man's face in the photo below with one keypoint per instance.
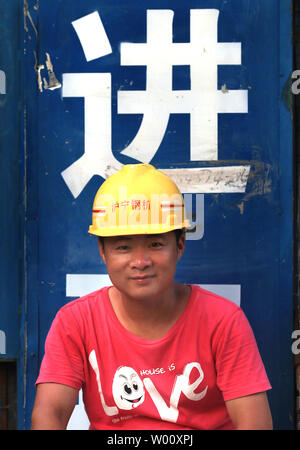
x,y
142,266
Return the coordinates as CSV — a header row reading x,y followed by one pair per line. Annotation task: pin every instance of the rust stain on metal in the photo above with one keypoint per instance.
x,y
53,82
241,207
224,89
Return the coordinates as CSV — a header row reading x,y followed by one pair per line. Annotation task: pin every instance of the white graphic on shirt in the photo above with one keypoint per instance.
x,y
181,384
109,410
127,388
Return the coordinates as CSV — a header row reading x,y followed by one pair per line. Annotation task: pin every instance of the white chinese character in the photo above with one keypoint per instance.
x,y
203,101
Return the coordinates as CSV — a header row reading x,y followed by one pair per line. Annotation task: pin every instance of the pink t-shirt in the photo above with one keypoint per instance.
x,y
177,382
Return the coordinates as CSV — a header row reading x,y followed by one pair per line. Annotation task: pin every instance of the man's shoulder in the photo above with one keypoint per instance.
x,y
88,301
213,310
212,302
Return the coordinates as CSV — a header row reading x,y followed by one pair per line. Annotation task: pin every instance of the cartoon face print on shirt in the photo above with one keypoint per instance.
x,y
128,390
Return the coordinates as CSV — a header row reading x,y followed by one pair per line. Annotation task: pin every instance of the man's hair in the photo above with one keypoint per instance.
x,y
178,234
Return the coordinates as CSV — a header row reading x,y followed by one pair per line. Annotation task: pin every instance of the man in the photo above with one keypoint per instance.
x,y
149,352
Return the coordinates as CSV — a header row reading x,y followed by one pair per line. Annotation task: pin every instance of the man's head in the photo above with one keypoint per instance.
x,y
143,265
139,218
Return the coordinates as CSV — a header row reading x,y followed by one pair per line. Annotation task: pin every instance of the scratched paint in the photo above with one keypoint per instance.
x,y
227,179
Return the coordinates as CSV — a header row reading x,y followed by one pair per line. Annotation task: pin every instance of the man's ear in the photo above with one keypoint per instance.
x,y
101,249
180,246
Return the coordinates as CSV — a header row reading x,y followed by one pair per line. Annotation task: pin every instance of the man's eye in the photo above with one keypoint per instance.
x,y
156,244
122,247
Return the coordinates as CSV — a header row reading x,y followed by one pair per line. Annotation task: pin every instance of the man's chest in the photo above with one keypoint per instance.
x,y
161,383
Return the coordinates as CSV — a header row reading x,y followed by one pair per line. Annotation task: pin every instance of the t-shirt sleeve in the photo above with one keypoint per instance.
x,y
63,362
240,370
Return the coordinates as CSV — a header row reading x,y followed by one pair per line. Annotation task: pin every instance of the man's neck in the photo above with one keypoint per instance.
x,y
150,318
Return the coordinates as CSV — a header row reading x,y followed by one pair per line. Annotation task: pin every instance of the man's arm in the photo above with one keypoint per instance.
x,y
251,412
53,406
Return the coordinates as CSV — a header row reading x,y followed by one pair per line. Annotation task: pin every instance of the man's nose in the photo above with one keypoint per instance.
x,y
140,259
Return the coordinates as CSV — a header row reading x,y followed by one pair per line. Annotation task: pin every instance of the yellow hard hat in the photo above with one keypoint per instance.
x,y
138,199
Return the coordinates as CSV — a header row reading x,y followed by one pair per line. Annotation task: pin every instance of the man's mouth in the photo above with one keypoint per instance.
x,y
142,277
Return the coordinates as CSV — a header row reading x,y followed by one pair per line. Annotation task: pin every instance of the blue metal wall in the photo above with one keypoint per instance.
x,y
10,189
244,220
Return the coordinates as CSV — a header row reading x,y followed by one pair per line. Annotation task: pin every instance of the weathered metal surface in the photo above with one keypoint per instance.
x,y
197,90
9,180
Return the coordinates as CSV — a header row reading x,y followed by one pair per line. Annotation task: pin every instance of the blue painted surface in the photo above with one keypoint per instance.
x,y
10,195
247,238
